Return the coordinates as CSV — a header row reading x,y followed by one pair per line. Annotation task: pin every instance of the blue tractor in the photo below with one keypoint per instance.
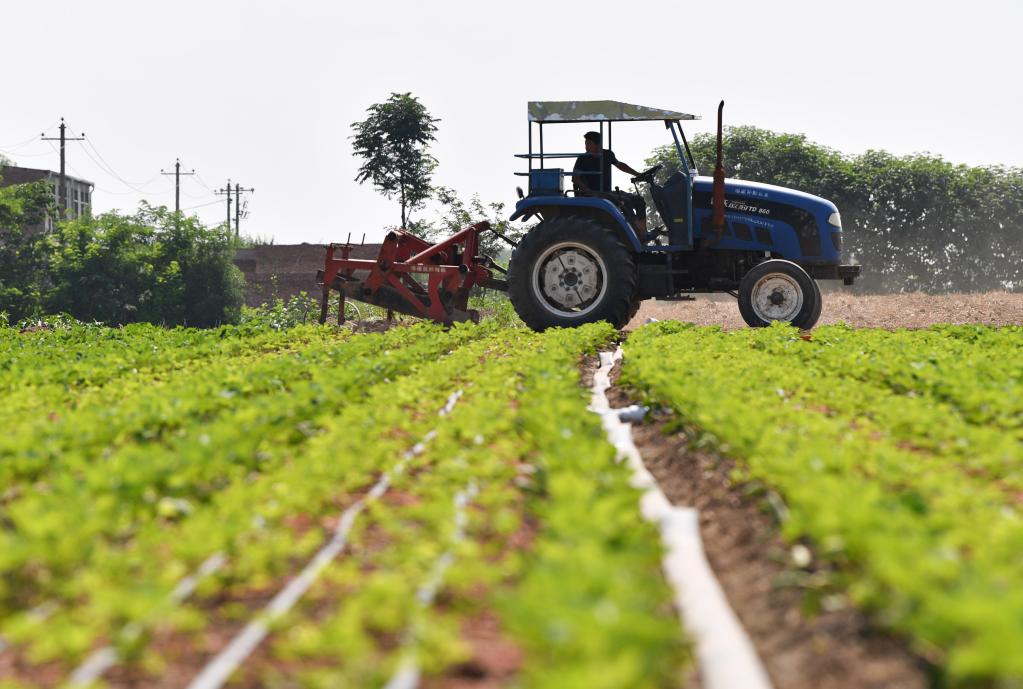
x,y
589,258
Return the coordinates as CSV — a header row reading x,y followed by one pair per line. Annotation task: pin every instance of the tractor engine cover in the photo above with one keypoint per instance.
x,y
762,217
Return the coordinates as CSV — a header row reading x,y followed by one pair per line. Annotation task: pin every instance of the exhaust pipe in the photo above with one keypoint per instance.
x,y
718,198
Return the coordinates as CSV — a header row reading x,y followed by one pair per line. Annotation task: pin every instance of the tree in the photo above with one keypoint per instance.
x,y
21,263
153,266
458,215
394,142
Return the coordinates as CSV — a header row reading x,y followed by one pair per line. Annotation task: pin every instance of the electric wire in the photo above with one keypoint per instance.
x,y
82,176
201,181
20,144
11,154
31,139
203,205
102,162
190,195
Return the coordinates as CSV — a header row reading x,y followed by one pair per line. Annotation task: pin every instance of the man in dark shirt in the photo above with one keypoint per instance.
x,y
585,184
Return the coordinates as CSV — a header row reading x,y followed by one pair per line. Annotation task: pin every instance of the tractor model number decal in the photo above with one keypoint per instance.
x,y
743,207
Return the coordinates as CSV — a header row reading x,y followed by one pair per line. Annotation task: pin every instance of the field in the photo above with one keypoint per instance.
x,y
312,507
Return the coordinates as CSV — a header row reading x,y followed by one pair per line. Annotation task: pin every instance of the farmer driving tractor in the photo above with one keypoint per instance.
x,y
591,182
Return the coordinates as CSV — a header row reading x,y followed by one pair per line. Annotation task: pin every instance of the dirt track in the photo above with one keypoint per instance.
x,y
875,311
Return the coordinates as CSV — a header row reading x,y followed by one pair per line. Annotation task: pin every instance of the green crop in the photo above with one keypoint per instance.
x,y
134,455
897,454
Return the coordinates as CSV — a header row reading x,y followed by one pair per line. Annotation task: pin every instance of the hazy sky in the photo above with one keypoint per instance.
x,y
265,92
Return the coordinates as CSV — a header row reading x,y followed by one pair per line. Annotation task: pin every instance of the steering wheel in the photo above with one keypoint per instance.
x,y
648,175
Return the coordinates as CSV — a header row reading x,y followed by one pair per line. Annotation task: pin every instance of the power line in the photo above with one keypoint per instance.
x,y
201,205
97,187
113,174
201,181
27,141
184,190
13,155
108,168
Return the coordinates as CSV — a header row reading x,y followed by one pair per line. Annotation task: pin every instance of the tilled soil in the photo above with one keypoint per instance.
x,y
915,310
835,648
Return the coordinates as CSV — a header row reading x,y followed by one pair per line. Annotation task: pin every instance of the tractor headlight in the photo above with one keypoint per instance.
x,y
835,219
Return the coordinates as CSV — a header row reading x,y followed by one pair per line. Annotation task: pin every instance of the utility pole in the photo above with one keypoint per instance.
x,y
238,191
226,190
177,183
62,200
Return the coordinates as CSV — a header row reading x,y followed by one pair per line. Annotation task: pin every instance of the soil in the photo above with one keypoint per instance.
x,y
913,310
494,660
835,648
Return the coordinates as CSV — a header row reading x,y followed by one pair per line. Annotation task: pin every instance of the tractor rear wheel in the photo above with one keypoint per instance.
x,y
778,290
569,271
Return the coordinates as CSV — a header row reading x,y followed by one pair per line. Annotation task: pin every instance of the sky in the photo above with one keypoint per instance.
x,y
264,93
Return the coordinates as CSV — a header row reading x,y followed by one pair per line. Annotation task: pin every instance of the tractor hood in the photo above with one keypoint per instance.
x,y
743,189
793,224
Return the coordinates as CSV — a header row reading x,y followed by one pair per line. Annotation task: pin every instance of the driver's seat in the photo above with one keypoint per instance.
x,y
668,202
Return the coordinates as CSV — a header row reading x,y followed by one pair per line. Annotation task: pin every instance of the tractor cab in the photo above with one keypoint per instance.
x,y
547,171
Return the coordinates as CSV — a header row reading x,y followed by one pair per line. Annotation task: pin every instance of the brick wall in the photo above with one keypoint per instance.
x,y
284,270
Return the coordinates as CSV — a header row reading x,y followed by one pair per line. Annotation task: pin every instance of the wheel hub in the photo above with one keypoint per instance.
x,y
569,278
777,297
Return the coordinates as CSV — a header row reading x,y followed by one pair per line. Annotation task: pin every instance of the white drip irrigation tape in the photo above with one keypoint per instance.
x,y
407,674
726,657
218,670
102,659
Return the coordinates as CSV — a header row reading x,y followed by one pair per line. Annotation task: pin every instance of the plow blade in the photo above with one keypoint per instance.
x,y
410,276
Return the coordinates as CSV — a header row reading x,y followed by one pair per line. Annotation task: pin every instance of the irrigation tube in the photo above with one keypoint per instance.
x,y
218,670
407,674
726,657
102,659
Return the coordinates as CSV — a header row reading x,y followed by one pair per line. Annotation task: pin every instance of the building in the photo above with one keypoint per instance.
x,y
77,192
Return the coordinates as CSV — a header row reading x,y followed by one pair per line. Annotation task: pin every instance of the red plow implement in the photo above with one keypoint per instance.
x,y
411,276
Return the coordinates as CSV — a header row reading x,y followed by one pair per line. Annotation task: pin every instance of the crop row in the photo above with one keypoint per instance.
x,y
896,454
43,375
513,512
114,492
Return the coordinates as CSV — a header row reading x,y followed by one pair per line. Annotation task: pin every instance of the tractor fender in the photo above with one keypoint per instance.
x,y
600,209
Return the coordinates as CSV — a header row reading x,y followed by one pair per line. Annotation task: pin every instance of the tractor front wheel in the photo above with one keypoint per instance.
x,y
569,271
778,290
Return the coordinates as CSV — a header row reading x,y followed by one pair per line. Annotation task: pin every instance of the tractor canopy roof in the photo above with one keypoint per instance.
x,y
599,111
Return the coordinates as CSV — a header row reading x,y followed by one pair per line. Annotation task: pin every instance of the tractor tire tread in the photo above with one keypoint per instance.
x,y
619,303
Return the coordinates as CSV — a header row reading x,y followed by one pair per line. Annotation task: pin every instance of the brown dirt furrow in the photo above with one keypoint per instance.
x,y
835,648
912,310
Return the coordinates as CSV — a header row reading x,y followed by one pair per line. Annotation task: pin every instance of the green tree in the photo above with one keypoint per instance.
x,y
21,263
394,142
150,266
458,214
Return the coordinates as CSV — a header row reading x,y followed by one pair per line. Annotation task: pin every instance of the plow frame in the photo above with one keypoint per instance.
x,y
452,268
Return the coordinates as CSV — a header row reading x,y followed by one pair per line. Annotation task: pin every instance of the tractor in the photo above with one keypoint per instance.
x,y
586,260
590,258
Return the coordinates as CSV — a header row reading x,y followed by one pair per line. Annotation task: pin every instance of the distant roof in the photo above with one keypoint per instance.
x,y
598,111
14,174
